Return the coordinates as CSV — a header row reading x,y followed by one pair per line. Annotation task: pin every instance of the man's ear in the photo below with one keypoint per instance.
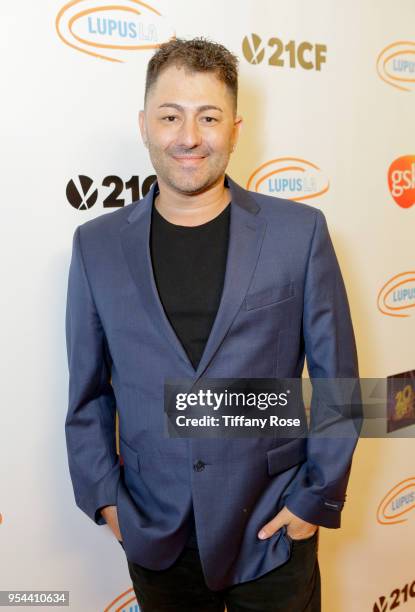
x,y
237,127
143,130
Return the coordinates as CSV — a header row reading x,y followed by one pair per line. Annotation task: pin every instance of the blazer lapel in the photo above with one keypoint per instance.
x,y
246,233
135,243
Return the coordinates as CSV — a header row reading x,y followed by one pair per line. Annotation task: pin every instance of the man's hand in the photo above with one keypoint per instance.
x,y
297,529
110,515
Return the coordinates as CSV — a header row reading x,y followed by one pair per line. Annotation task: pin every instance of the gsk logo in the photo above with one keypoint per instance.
x,y
291,178
397,503
396,65
401,180
111,31
397,296
126,602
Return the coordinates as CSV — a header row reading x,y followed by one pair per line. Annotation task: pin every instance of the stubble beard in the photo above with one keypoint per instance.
x,y
190,181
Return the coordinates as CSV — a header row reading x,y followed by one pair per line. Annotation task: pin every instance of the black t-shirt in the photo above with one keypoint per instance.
x,y
189,268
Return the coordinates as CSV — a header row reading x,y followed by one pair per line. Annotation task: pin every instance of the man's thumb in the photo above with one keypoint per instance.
x,y
270,528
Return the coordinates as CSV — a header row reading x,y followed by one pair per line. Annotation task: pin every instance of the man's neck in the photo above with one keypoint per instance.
x,y
191,210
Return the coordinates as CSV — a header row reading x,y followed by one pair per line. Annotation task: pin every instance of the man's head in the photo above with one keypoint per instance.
x,y
189,122
196,55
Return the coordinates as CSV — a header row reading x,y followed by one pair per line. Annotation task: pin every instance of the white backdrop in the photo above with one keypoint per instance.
x,y
67,113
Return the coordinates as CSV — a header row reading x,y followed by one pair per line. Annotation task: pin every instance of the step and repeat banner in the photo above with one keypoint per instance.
x,y
327,92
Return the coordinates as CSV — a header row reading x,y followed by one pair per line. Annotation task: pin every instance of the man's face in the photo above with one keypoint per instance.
x,y
190,129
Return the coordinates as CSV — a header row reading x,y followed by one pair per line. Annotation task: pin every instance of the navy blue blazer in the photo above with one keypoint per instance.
x,y
283,299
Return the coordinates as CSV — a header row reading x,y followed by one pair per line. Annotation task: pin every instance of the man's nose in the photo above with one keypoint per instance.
x,y
189,135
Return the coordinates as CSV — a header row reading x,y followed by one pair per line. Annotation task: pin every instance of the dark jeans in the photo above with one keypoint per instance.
x,y
291,587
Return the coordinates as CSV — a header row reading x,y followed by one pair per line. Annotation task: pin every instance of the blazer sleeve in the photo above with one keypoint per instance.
x,y
335,409
90,422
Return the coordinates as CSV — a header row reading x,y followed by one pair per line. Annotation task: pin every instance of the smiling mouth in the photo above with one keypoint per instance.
x,y
188,160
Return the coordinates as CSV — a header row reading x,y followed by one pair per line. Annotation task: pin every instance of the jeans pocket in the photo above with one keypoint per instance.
x,y
302,541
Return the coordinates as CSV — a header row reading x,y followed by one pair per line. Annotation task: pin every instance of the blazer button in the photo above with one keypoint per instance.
x,y
199,466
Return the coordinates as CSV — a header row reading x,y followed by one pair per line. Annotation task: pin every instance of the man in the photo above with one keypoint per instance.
x,y
202,277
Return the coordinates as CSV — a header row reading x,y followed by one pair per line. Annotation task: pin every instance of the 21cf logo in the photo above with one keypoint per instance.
x,y
114,191
253,49
401,179
293,54
80,192
396,598
381,605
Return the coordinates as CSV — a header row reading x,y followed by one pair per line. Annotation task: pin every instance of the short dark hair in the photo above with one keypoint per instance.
x,y
196,55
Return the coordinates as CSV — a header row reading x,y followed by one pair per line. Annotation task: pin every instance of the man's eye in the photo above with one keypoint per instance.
x,y
169,118
209,119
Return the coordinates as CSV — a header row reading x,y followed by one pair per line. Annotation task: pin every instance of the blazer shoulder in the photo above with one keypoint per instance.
x,y
274,205
106,224
279,209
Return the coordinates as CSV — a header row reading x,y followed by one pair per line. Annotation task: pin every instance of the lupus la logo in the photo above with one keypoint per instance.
x,y
401,179
126,602
397,296
111,31
291,178
396,65
397,503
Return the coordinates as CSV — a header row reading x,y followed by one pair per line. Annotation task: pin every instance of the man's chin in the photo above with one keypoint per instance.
x,y
192,186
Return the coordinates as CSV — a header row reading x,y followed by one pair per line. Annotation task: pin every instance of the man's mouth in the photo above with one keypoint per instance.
x,y
189,160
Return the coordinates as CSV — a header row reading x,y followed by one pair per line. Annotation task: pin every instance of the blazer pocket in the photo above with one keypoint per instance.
x,y
129,455
272,295
283,457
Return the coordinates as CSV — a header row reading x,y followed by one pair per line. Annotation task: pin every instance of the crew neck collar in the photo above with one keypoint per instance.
x,y
212,221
